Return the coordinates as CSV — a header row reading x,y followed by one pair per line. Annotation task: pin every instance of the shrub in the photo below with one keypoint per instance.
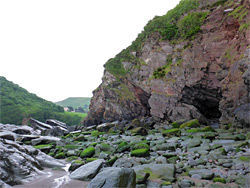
x,y
190,24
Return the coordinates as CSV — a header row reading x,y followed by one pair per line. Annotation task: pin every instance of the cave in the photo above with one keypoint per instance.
x,y
206,100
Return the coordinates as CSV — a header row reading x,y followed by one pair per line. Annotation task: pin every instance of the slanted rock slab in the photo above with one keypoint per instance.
x,y
87,171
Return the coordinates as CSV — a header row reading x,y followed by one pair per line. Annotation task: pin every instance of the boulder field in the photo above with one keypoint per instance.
x,y
141,154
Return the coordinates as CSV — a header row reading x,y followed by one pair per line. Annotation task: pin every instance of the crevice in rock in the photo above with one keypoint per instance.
x,y
206,100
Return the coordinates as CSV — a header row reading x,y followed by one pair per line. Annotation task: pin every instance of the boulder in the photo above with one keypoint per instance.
x,y
87,171
114,177
157,171
204,173
45,140
125,163
48,161
8,135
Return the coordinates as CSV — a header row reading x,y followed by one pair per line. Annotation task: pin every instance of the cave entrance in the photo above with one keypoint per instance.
x,y
205,100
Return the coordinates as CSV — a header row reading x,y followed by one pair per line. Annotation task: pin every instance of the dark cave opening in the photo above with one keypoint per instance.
x,y
206,100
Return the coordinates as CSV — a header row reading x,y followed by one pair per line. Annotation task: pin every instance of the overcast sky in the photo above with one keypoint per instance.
x,y
57,48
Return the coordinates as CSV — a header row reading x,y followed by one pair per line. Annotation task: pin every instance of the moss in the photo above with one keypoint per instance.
x,y
103,138
192,124
193,131
221,180
171,132
140,153
72,158
93,144
95,133
43,146
123,92
166,183
123,146
88,152
112,161
207,129
173,159
51,154
71,147
244,158
90,159
216,146
141,146
60,155
105,147
80,138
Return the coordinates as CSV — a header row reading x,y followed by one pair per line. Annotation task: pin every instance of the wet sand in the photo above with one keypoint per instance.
x,y
47,181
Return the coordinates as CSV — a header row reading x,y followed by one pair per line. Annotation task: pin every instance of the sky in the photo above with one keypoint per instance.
x,y
57,48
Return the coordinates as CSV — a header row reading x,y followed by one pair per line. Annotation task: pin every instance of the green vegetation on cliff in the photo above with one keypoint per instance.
x,y
17,104
171,26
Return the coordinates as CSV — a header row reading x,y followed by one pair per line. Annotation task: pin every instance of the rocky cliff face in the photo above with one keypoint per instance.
x,y
205,77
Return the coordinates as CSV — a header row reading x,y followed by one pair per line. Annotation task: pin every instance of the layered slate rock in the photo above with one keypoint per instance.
x,y
87,171
114,177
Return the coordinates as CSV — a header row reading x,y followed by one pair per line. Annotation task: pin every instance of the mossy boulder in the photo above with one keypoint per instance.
x,y
141,146
141,177
208,129
194,123
139,131
140,153
112,161
178,123
221,180
90,159
80,138
75,164
123,146
60,155
171,132
88,152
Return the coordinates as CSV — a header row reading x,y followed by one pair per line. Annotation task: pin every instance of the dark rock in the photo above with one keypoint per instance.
x,y
8,135
114,177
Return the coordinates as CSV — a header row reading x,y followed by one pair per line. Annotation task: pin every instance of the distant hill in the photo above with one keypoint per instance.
x,y
17,105
75,102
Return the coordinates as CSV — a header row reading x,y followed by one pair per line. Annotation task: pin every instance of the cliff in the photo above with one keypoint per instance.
x,y
193,62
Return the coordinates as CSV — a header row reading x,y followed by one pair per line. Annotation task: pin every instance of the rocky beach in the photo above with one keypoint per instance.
x,y
140,153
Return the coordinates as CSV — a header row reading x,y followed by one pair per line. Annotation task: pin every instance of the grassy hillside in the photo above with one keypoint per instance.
x,y
75,102
17,104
